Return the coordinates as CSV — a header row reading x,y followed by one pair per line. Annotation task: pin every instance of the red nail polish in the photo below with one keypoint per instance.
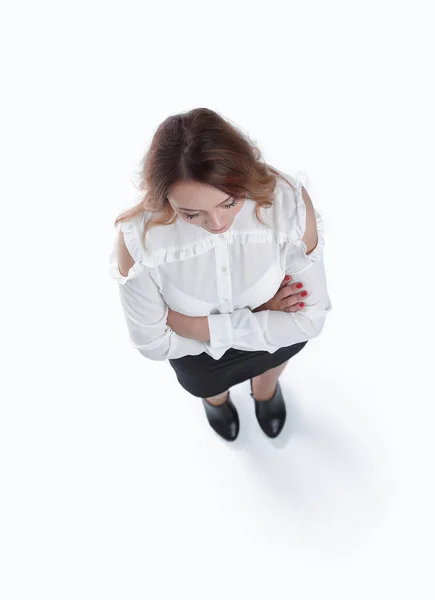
x,y
301,304
299,285
287,277
304,293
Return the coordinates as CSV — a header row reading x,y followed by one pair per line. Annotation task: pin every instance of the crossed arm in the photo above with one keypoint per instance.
x,y
195,328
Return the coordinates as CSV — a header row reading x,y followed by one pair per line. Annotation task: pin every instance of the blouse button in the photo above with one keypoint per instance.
x,y
223,269
221,340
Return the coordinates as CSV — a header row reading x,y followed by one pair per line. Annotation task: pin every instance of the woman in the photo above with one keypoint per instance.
x,y
220,267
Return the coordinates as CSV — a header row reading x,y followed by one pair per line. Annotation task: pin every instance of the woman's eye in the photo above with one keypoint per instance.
x,y
233,203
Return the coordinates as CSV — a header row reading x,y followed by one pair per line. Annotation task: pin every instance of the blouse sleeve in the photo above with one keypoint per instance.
x,y
269,329
144,308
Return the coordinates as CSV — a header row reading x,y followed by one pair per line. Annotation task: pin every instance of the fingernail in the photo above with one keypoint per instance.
x,y
287,277
301,304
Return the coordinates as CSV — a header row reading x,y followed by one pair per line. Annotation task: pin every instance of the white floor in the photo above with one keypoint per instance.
x,y
114,481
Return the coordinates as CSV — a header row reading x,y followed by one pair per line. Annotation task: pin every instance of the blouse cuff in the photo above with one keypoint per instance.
x,y
221,332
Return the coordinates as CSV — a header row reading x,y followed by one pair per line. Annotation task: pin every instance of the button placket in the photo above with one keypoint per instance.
x,y
223,276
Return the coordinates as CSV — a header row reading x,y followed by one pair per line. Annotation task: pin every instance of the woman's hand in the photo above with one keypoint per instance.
x,y
287,298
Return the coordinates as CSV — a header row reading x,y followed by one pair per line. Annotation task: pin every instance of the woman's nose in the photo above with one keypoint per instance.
x,y
215,225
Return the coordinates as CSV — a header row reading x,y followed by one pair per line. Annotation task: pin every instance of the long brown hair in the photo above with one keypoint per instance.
x,y
200,145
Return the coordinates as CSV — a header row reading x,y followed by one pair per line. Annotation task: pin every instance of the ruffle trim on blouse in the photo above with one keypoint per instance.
x,y
168,255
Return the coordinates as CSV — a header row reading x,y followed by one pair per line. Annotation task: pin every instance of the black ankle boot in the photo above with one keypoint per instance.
x,y
271,414
224,418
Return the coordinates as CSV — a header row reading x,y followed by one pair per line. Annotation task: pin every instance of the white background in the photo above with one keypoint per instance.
x,y
113,485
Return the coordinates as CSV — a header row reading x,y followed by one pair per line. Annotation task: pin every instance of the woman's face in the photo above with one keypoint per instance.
x,y
203,205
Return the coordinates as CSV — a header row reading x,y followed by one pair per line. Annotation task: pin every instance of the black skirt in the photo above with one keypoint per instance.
x,y
204,376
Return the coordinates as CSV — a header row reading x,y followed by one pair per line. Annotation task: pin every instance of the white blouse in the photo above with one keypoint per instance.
x,y
224,277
